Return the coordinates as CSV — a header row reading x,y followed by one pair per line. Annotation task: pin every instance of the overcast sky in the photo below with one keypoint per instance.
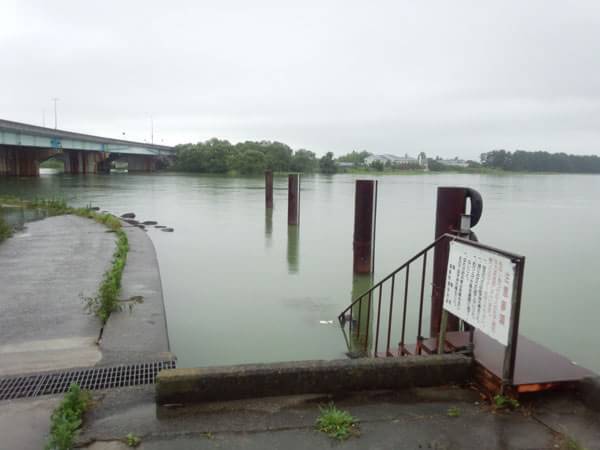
x,y
445,77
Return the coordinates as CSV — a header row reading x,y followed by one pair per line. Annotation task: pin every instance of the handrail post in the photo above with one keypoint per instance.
x,y
510,354
378,320
420,323
404,308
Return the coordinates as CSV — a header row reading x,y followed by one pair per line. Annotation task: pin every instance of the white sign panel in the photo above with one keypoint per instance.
x,y
479,289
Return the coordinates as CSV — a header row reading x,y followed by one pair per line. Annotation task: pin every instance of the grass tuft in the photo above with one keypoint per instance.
x,y
67,419
569,443
336,423
453,412
504,402
107,300
6,230
132,440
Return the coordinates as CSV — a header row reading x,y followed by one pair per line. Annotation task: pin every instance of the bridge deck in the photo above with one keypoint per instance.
x,y
16,134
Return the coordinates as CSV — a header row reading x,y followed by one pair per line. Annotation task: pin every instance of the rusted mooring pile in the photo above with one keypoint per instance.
x,y
365,217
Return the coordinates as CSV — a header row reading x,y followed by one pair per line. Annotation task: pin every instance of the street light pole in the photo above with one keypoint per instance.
x,y
152,129
55,116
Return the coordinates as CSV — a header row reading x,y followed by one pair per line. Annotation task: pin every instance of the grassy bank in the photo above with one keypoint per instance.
x,y
106,301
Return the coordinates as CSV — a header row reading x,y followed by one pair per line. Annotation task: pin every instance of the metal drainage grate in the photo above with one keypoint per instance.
x,y
91,378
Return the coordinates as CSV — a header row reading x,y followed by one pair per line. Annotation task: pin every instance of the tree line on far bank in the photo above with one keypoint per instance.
x,y
253,157
221,156
523,161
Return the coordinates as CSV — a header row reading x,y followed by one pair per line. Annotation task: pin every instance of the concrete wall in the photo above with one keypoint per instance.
x,y
303,377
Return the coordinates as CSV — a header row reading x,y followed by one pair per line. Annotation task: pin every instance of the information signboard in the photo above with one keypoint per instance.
x,y
479,289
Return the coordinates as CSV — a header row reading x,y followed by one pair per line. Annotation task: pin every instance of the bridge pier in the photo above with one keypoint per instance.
x,y
141,163
82,161
22,162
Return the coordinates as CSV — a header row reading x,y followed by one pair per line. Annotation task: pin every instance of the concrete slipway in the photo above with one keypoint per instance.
x,y
44,273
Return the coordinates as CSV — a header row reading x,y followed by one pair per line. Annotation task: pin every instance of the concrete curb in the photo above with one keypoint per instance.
x,y
304,377
589,388
140,335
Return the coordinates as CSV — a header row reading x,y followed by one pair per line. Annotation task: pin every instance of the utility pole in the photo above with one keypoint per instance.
x,y
151,128
55,116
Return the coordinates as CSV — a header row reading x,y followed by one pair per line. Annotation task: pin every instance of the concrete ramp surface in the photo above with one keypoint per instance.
x,y
43,325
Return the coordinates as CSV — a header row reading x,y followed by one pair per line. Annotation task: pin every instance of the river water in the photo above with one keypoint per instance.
x,y
241,286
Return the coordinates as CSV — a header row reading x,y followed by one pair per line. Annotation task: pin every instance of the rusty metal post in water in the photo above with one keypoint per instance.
x,y
365,212
269,188
294,199
451,205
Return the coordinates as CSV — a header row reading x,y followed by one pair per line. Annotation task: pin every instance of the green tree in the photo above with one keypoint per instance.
x,y
220,156
357,158
213,156
304,161
521,160
377,165
278,156
327,164
251,162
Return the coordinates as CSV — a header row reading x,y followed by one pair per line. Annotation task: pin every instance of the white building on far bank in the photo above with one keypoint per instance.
x,y
453,162
396,160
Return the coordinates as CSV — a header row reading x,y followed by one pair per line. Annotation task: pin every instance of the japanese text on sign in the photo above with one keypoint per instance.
x,y
479,289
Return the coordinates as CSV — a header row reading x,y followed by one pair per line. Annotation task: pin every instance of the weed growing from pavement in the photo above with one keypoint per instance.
x,y
5,229
132,440
107,301
453,412
504,402
67,418
569,443
336,423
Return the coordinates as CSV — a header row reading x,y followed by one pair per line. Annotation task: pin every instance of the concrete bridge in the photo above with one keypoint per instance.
x,y
23,147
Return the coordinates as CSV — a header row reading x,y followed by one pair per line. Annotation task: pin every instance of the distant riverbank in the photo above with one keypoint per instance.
x,y
386,172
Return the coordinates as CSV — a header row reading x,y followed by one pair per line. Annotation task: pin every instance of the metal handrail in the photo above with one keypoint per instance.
x,y
403,266
376,290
